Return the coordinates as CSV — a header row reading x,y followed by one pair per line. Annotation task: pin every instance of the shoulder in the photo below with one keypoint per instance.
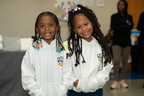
x,y
65,43
115,14
30,51
96,43
142,14
66,46
129,15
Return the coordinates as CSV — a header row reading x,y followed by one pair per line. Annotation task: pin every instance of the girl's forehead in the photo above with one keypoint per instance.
x,y
80,14
77,16
121,2
46,18
80,17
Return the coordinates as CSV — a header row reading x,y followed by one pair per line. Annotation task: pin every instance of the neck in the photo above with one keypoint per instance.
x,y
89,39
122,13
48,41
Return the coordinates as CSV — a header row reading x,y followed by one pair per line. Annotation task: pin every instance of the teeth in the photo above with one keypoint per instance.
x,y
47,33
85,33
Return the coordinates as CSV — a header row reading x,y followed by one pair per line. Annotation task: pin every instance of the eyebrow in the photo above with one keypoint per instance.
x,y
83,23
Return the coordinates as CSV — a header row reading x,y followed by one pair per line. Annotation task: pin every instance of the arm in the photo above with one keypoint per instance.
x,y
129,26
96,81
67,70
121,28
28,77
140,25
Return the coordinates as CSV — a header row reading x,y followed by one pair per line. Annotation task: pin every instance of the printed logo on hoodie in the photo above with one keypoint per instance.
x,y
60,60
99,57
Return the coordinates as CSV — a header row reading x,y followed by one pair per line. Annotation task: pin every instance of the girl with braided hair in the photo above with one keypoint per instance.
x,y
87,53
42,64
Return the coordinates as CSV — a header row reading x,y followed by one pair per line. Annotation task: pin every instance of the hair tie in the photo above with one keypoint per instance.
x,y
37,44
76,8
60,48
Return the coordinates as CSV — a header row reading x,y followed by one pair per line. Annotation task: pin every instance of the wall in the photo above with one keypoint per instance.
x,y
135,8
17,17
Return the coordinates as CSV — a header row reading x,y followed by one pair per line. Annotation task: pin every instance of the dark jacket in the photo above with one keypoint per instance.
x,y
122,30
140,26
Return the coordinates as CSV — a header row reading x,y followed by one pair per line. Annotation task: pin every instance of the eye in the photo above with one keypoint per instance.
x,y
51,25
78,27
42,26
86,24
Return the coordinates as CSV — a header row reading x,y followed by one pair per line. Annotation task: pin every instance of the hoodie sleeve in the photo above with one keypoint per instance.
x,y
67,70
93,83
28,76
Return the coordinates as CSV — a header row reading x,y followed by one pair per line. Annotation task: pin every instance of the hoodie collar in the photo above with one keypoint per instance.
x,y
92,42
53,43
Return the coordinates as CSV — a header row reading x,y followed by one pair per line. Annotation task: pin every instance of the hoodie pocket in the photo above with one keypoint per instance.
x,y
64,89
53,90
45,90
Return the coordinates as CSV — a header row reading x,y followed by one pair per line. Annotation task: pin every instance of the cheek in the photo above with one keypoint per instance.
x,y
123,7
54,31
78,31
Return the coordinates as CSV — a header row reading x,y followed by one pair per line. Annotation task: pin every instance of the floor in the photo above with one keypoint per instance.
x,y
135,82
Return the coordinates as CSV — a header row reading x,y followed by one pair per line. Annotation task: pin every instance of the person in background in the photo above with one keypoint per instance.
x,y
109,38
121,23
140,27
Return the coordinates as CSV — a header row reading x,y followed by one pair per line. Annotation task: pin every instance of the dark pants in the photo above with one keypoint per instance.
x,y
99,92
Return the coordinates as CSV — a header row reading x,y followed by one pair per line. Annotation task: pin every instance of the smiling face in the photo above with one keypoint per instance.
x,y
47,28
83,27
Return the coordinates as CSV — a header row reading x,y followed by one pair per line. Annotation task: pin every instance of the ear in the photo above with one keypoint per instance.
x,y
57,28
74,30
37,30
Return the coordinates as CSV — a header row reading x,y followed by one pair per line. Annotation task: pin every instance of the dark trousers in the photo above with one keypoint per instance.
x,y
99,92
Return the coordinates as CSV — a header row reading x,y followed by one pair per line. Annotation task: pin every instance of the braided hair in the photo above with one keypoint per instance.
x,y
57,35
75,42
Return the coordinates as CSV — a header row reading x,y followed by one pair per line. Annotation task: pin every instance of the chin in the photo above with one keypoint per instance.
x,y
87,37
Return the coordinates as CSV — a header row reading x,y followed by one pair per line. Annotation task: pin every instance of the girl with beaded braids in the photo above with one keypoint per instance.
x,y
42,65
87,53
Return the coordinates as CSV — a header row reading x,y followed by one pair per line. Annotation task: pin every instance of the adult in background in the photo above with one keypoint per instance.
x,y
121,23
140,27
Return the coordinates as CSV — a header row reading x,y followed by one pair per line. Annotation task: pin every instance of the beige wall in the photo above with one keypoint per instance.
x,y
17,17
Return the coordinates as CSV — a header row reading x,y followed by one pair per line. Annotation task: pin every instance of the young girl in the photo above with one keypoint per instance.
x,y
88,54
43,62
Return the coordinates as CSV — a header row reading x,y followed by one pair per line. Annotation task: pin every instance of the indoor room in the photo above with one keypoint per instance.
x,y
78,33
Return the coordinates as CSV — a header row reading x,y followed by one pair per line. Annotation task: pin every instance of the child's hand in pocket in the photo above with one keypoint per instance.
x,y
76,83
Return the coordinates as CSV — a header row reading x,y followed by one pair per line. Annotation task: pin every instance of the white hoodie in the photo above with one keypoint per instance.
x,y
91,75
41,72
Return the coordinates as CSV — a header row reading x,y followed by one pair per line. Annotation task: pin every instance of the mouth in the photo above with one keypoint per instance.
x,y
47,34
86,33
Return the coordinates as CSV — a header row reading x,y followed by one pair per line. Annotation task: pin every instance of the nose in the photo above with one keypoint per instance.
x,y
46,27
84,28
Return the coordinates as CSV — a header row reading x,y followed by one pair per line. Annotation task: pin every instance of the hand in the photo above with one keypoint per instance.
x,y
111,33
129,24
76,83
